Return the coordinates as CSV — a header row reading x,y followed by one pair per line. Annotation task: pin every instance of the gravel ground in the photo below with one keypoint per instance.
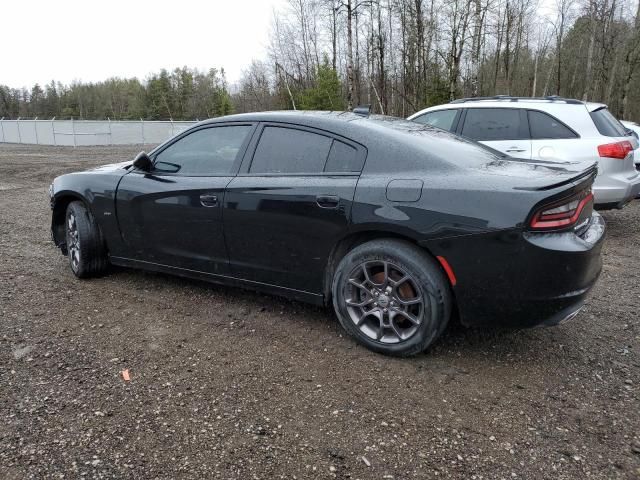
x,y
233,384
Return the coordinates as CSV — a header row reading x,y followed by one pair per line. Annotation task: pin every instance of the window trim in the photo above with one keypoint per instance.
x,y
361,152
236,163
577,135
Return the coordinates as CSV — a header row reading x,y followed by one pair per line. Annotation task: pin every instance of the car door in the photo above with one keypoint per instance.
x,y
289,205
172,215
552,140
504,129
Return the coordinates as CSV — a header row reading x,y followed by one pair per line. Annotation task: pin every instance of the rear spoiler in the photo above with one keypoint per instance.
x,y
586,176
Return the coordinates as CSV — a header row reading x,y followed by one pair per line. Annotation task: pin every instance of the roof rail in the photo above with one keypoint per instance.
x,y
550,98
362,110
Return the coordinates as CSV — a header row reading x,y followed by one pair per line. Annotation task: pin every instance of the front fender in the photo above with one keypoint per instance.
x,y
97,190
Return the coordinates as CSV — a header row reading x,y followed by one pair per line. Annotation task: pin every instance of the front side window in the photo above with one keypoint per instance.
x,y
209,151
544,126
443,119
486,124
287,150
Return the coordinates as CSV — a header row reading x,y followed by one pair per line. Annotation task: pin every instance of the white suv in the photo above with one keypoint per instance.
x,y
548,129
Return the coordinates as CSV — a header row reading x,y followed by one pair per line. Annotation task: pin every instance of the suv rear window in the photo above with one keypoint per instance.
x,y
486,124
606,123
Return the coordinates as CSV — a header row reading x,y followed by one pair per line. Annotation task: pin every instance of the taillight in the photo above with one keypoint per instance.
x,y
562,214
615,150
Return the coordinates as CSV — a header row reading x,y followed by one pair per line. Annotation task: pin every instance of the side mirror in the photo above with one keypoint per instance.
x,y
143,162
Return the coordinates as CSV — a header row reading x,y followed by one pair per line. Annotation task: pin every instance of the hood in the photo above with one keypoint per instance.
x,y
111,167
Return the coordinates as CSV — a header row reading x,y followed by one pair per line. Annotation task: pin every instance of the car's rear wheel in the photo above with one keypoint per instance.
x,y
85,245
391,296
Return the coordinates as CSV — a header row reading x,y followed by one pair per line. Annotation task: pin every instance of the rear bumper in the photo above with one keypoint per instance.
x,y
521,279
614,191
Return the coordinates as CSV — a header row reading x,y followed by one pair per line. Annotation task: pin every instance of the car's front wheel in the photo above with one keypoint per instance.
x,y
391,296
85,245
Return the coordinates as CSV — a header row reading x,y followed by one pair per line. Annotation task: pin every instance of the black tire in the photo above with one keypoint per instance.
x,y
392,258
85,245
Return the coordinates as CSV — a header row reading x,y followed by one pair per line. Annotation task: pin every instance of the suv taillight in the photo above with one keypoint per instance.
x,y
563,214
617,150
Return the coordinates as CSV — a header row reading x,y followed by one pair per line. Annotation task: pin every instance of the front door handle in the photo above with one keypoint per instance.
x,y
515,149
208,200
328,201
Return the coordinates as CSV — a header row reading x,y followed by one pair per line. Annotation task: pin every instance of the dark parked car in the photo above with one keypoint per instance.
x,y
398,225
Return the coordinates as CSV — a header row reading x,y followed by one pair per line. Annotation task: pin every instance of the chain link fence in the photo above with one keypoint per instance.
x,y
75,133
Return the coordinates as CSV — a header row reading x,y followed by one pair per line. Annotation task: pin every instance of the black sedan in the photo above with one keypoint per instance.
x,y
399,226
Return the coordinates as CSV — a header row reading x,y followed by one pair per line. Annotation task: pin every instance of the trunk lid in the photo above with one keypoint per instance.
x,y
540,175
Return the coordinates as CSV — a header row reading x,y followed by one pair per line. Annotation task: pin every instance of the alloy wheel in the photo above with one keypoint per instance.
x,y
384,301
73,242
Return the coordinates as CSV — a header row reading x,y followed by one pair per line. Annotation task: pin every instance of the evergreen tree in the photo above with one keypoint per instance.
x,y
327,92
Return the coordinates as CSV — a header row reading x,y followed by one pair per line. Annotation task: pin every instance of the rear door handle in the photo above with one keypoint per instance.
x,y
328,201
208,200
515,149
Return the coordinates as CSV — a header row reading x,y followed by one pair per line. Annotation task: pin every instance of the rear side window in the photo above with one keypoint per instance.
x,y
544,126
443,119
606,123
286,150
486,124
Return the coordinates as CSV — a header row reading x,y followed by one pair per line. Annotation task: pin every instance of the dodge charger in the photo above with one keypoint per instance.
x,y
398,226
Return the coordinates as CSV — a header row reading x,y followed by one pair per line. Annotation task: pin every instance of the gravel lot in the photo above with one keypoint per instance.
x,y
233,384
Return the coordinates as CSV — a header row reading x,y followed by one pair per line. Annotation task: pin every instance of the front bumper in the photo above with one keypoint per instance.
x,y
523,279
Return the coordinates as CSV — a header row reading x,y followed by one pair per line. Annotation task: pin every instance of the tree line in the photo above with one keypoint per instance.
x,y
397,55
183,94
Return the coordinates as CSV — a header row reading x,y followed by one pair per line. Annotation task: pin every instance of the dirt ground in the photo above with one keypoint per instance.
x,y
227,383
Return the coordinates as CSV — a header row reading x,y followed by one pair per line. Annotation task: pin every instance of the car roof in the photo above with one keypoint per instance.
x,y
348,124
379,132
541,103
288,116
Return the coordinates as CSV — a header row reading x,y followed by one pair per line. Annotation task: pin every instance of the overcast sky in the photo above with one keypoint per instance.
x,y
91,40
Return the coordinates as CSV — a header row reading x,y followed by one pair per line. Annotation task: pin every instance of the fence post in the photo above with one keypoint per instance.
x,y
19,135
2,128
142,126
110,133
35,129
172,127
73,131
53,131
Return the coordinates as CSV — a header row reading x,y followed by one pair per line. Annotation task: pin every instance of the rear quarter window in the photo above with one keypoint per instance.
x,y
545,126
606,123
343,158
